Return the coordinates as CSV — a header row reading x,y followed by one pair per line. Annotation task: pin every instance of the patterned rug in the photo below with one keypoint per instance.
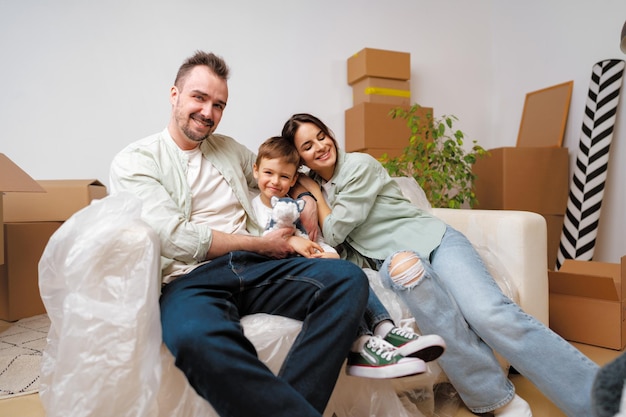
x,y
21,348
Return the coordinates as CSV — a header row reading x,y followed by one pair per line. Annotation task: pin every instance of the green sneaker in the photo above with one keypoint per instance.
x,y
379,360
426,347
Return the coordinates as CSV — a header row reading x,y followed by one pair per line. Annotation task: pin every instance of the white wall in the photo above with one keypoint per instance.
x,y
82,79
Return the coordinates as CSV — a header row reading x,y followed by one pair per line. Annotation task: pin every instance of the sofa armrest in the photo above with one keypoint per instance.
x,y
516,241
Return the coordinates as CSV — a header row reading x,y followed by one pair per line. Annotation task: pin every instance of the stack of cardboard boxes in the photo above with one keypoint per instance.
x,y
380,81
534,175
31,212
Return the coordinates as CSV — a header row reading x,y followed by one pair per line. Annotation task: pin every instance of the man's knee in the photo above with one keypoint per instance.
x,y
406,269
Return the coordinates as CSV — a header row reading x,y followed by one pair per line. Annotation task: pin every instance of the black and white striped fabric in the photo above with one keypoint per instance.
x,y
580,224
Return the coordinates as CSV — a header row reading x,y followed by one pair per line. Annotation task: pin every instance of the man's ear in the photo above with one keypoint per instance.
x,y
173,95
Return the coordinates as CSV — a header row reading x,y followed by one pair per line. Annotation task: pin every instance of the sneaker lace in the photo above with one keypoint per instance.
x,y
382,348
405,332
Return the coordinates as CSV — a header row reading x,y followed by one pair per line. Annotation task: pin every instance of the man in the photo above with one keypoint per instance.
x,y
216,268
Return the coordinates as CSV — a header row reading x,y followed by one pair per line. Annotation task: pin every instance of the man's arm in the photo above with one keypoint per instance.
x,y
274,244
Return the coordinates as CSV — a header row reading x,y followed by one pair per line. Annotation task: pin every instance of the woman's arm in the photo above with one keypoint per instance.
x,y
356,187
309,215
311,186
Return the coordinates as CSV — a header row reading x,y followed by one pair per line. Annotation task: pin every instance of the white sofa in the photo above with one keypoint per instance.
x,y
99,282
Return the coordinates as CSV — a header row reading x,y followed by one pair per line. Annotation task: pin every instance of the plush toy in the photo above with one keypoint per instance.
x,y
286,213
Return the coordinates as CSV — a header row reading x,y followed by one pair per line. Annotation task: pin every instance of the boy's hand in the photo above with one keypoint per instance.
x,y
304,247
326,255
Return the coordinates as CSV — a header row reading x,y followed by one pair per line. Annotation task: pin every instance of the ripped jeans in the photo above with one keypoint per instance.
x,y
455,296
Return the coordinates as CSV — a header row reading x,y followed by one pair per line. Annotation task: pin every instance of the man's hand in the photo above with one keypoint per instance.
x,y
276,244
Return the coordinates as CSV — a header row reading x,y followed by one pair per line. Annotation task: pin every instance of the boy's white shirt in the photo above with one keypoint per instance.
x,y
263,214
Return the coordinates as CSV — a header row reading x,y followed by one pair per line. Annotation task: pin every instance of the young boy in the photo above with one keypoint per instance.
x,y
389,352
276,171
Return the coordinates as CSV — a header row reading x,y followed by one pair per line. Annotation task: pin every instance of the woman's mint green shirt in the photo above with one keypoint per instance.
x,y
370,213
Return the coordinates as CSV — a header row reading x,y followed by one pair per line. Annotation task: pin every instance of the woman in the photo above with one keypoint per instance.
x,y
437,273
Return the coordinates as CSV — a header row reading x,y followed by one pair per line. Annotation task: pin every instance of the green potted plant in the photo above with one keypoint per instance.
x,y
436,158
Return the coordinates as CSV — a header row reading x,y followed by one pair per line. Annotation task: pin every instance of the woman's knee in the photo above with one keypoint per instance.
x,y
406,269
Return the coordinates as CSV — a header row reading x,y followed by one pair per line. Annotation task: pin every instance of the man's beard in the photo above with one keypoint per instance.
x,y
194,136
189,132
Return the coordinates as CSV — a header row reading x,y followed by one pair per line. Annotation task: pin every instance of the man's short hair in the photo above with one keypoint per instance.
x,y
208,59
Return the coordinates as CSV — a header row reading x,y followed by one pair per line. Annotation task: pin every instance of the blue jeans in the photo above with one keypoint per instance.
x,y
458,299
375,312
200,316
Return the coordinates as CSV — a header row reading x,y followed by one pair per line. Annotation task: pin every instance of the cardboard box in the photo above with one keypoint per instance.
x,y
381,63
19,276
30,220
62,199
587,302
13,180
381,90
378,152
554,224
530,179
369,126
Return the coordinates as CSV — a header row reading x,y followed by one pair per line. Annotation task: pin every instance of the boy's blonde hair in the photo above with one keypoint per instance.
x,y
278,147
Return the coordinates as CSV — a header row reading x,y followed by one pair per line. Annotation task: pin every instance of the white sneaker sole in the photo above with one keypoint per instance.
x,y
427,348
405,367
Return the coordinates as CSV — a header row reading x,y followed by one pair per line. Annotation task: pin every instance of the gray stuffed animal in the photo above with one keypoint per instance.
x,y
286,213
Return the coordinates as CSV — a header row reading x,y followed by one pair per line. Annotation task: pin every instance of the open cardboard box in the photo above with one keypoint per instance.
x,y
587,302
19,276
61,200
13,180
29,222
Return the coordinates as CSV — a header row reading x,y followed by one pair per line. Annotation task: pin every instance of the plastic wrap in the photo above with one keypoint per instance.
x,y
100,282
411,190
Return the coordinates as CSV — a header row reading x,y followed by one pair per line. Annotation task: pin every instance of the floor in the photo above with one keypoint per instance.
x,y
30,406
